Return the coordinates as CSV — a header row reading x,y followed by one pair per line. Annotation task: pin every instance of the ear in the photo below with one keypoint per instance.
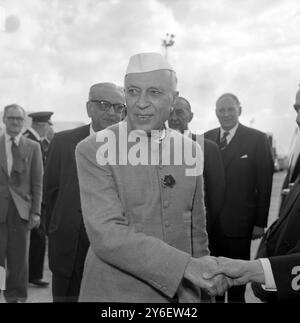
x,y
191,116
240,110
88,109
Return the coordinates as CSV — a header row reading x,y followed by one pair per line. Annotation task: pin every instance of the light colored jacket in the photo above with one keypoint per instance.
x,y
28,196
142,233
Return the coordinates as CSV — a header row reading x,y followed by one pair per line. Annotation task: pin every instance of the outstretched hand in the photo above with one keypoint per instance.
x,y
195,272
240,272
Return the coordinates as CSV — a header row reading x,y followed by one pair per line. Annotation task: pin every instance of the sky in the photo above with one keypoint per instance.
x,y
52,51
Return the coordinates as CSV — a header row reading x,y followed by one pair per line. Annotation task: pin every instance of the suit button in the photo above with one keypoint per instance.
x,y
166,204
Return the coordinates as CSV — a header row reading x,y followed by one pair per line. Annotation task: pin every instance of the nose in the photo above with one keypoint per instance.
x,y
173,116
111,110
142,102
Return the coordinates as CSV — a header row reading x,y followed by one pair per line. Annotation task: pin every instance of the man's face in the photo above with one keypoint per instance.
x,y
102,119
149,98
228,112
180,116
14,121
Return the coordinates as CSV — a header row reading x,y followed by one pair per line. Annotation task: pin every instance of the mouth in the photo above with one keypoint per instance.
x,y
144,117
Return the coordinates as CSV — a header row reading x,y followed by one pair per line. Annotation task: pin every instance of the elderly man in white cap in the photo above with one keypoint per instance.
x,y
145,222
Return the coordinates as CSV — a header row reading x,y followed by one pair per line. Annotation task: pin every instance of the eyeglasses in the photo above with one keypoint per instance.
x,y
18,119
297,107
106,105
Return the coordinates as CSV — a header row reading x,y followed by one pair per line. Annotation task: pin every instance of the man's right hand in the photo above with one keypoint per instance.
x,y
195,270
241,272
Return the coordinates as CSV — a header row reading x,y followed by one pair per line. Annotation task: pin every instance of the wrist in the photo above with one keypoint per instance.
x,y
255,271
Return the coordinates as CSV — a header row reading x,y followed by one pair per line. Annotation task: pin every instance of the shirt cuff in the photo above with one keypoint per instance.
x,y
270,284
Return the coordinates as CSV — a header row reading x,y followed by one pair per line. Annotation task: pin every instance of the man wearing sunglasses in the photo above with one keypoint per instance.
x,y
21,175
68,242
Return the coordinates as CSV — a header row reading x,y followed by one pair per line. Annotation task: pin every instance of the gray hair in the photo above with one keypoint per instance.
x,y
13,106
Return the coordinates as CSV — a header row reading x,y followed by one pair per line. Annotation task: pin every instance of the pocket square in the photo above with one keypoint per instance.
x,y
244,156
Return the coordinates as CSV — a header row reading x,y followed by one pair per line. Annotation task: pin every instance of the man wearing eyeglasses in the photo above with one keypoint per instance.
x,y
21,174
68,242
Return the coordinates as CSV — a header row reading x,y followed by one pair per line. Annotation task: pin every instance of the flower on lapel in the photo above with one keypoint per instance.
x,y
169,181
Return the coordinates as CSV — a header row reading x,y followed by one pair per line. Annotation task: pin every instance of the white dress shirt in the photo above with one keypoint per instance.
x,y
270,284
92,131
9,157
232,132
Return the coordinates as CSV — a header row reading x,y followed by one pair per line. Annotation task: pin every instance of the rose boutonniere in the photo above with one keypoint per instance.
x,y
169,181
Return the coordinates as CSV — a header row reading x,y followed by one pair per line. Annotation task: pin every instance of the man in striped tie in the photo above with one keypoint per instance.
x,y
248,165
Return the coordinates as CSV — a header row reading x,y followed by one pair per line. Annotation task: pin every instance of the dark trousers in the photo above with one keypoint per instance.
x,y
14,247
66,289
37,248
236,248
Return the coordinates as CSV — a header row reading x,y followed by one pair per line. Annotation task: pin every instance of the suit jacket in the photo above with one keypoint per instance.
x,y
28,196
142,233
248,165
214,180
286,271
62,200
284,239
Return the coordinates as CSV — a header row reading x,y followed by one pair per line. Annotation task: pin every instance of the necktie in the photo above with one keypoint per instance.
x,y
223,141
17,166
45,147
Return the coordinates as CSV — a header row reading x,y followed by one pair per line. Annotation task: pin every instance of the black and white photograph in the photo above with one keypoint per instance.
x,y
149,154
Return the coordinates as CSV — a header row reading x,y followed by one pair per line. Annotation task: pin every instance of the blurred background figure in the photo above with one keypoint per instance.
x,y
294,160
38,132
21,177
213,172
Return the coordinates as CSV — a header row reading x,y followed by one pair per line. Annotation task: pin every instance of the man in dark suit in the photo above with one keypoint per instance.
x,y
248,165
37,247
294,163
213,171
21,176
68,242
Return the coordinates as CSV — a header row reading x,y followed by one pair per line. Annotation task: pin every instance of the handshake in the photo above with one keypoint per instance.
x,y
217,275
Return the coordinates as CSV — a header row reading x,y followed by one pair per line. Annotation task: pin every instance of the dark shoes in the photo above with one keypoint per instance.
x,y
39,283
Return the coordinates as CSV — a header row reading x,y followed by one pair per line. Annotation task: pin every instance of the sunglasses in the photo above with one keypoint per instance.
x,y
106,105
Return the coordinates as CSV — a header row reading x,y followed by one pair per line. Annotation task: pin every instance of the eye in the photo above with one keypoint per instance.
x,y
132,91
155,92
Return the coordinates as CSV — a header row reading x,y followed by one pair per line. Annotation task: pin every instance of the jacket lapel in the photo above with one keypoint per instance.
x,y
233,147
3,160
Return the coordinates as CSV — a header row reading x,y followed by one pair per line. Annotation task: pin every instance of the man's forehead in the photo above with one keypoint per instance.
x,y
181,105
107,93
14,111
227,101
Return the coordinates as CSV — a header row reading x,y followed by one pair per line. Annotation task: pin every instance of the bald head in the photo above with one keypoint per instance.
x,y
104,105
181,115
228,110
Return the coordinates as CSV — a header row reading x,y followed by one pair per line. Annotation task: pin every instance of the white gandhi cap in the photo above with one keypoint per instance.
x,y
147,62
